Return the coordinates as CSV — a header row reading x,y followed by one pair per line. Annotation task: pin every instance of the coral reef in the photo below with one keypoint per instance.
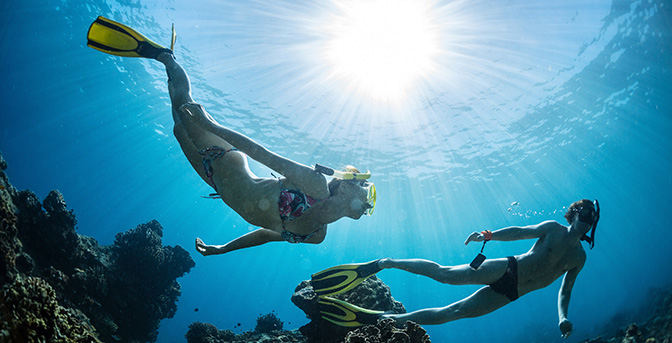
x,y
372,294
80,282
385,332
208,333
267,323
31,313
656,314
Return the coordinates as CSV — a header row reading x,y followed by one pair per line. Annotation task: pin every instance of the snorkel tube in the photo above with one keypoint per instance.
x,y
370,188
591,239
341,174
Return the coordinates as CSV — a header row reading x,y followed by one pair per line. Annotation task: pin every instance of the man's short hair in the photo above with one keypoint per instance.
x,y
576,206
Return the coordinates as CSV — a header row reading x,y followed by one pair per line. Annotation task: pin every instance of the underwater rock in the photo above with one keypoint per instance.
x,y
106,286
140,300
657,323
267,323
632,334
371,294
208,333
48,237
30,313
385,332
9,243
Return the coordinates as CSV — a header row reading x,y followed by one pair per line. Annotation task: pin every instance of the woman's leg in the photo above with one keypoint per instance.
x,y
194,127
179,86
192,136
489,272
248,240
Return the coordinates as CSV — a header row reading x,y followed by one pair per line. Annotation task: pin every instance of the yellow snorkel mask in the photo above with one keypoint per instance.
x,y
370,196
344,175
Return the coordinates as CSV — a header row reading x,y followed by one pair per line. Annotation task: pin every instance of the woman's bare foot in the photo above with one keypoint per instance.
x,y
205,249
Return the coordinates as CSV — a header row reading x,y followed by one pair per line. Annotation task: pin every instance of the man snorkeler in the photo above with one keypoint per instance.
x,y
556,252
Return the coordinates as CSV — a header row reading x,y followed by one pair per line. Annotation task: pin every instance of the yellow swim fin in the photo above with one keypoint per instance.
x,y
342,278
345,314
118,39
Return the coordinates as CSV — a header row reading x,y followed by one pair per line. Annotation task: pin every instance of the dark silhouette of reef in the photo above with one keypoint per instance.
x,y
268,330
372,293
58,285
654,317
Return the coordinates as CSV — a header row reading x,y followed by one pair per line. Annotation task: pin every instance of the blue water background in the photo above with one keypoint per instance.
x,y
533,102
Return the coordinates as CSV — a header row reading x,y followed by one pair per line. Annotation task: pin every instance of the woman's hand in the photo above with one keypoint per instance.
x,y
205,249
566,328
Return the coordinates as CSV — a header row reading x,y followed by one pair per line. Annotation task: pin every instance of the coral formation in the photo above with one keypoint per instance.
x,y
267,323
79,281
144,272
656,314
31,313
385,332
372,294
208,333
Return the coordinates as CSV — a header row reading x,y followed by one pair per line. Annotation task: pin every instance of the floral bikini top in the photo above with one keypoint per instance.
x,y
293,203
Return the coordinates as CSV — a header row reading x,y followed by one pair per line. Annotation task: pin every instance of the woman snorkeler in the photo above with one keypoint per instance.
x,y
295,208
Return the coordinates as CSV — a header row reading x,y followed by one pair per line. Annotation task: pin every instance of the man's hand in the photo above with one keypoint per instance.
x,y
566,328
474,237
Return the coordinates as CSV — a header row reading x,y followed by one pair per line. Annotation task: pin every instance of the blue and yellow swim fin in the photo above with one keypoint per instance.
x,y
117,39
342,278
345,314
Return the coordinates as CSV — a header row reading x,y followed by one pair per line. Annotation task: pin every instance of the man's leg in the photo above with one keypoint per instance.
x,y
482,302
489,272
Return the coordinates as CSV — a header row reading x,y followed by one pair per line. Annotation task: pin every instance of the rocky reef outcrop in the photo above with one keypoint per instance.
x,y
80,290
655,322
30,312
268,330
385,332
371,294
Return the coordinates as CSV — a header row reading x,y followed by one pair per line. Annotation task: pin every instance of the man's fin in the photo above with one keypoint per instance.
x,y
345,314
342,278
118,39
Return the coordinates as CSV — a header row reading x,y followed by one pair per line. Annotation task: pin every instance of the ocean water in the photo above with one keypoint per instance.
x,y
525,107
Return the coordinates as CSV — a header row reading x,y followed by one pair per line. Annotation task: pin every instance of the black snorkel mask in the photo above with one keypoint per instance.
x,y
583,216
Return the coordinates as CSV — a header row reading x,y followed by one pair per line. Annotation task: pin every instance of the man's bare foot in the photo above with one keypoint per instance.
x,y
384,263
205,249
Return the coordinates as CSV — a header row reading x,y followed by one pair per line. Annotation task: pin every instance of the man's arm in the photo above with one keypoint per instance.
x,y
564,296
515,233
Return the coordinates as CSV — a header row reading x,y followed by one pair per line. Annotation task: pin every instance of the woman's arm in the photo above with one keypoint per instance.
x,y
248,240
515,233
